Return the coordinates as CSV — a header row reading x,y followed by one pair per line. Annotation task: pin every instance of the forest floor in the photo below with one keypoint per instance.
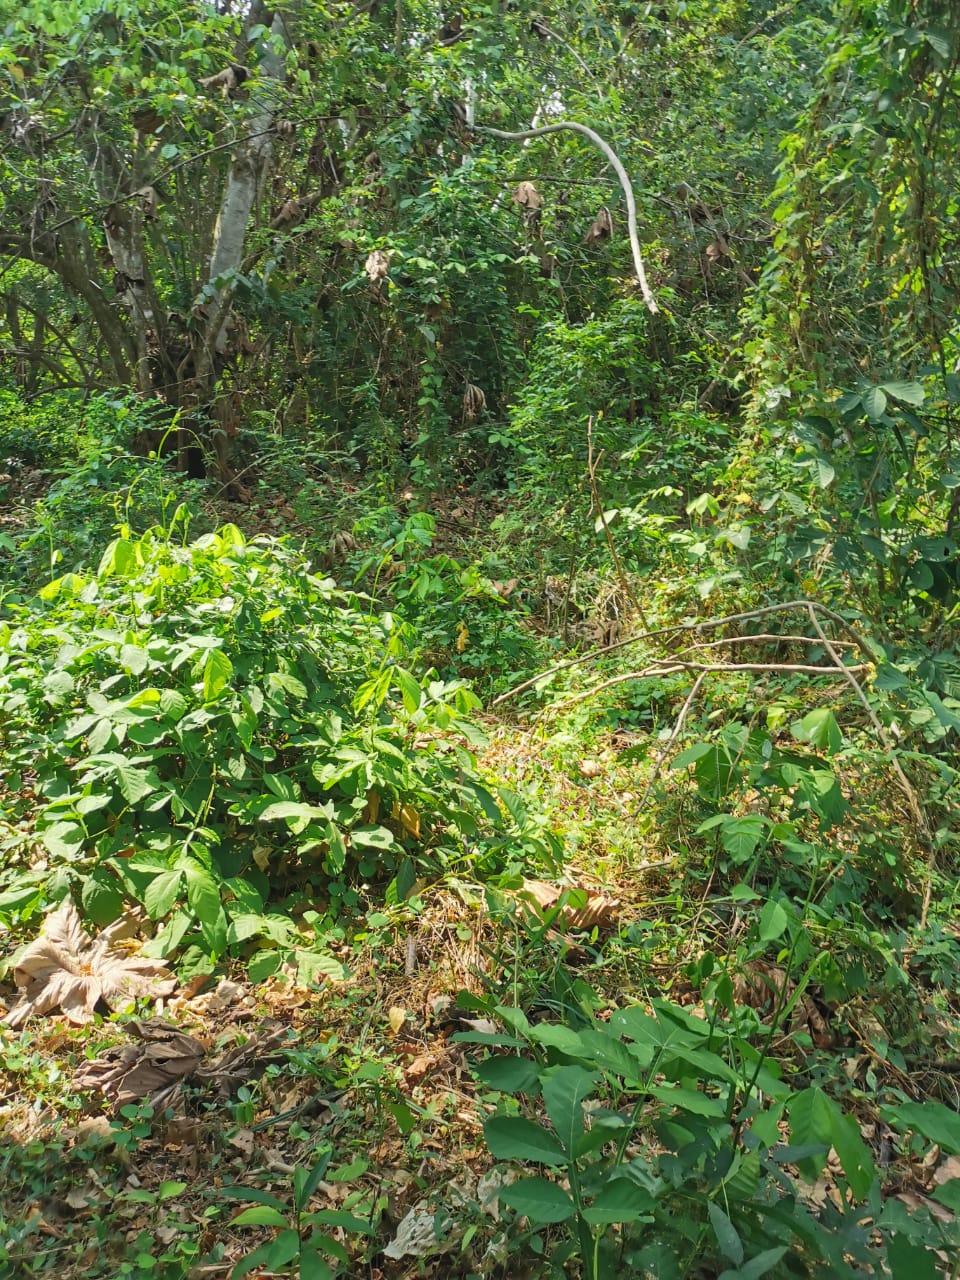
x,y
369,1083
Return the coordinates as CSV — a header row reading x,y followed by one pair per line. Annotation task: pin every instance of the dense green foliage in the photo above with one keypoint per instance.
x,y
327,415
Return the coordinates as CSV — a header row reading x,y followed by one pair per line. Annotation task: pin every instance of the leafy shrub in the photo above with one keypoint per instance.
x,y
678,1149
98,479
208,729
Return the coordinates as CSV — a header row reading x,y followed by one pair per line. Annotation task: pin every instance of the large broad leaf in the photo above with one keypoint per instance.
x,y
513,1138
874,403
539,1200
65,968
816,1120
621,1200
217,672
820,728
731,1246
757,1266
936,1122
565,1089
905,392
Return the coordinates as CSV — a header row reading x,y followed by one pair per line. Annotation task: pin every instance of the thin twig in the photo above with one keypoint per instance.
x,y
669,667
709,624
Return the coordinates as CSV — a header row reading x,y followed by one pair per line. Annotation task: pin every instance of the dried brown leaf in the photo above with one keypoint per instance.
x,y
130,1072
601,228
377,265
67,969
599,910
528,198
474,402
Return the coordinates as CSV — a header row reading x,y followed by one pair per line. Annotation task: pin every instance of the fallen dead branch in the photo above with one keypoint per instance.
x,y
676,663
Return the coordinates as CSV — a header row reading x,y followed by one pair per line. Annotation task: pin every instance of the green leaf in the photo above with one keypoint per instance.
x,y
819,727
306,1181
63,839
509,1075
565,1090
372,837
312,1265
854,1155
514,1138
260,1215
257,1259
874,403
295,811
691,1100
909,1261
620,1200
409,688
933,1120
314,965
101,897
555,1036
162,892
731,1246
773,921
740,836
541,1201
263,964
757,1266
167,1190
906,392
284,1249
134,659
217,673
811,1125
203,898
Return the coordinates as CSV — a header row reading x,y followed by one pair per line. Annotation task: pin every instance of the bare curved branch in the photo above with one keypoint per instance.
x,y
574,127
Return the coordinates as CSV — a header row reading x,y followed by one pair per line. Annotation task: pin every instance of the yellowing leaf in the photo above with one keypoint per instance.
x,y
408,818
463,637
396,1016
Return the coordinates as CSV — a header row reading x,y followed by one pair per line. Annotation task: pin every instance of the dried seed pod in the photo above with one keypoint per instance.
x,y
474,402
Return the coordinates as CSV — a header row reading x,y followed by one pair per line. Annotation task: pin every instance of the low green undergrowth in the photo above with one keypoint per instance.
x,y
209,730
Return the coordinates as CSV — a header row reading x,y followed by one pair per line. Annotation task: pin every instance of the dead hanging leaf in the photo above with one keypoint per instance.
x,y
396,1017
463,637
371,809
151,202
289,213
377,265
527,199
598,910
601,228
474,402
408,818
127,1073
66,969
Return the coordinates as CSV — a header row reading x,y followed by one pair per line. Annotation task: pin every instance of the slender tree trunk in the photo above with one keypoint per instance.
x,y
249,167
